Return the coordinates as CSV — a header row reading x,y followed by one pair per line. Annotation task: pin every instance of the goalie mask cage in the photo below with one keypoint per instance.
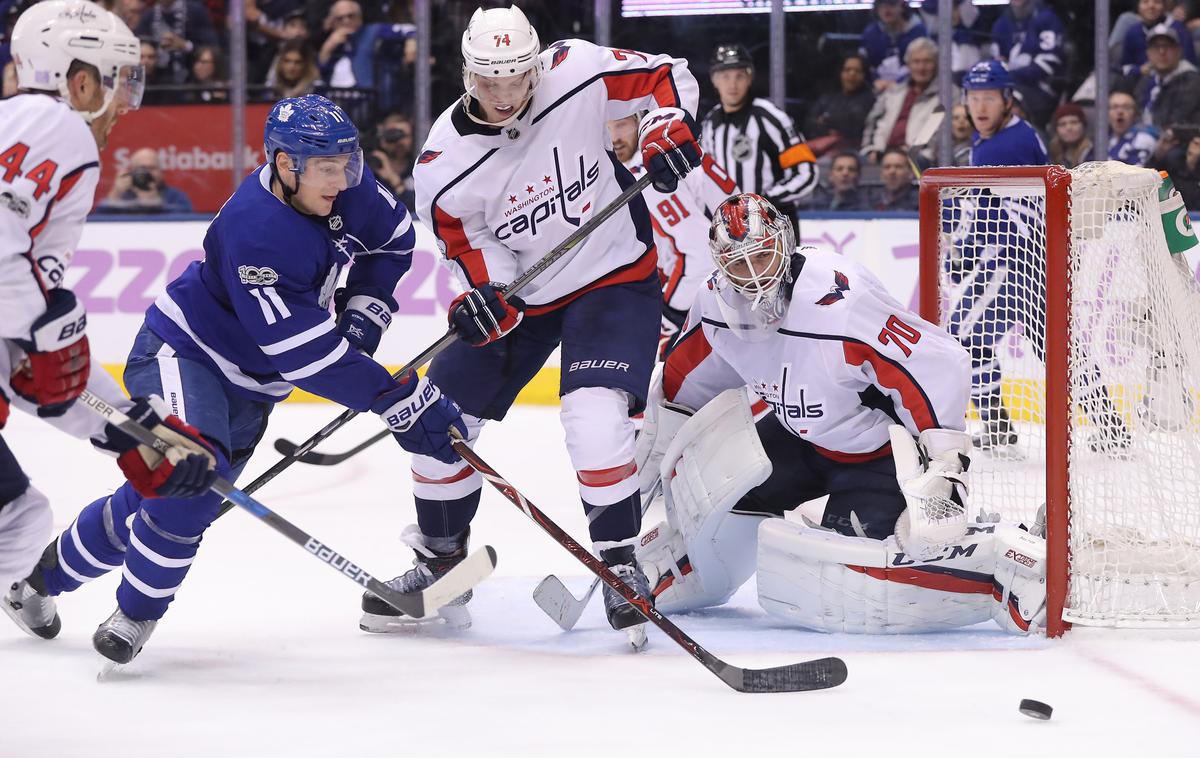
x,y
1086,329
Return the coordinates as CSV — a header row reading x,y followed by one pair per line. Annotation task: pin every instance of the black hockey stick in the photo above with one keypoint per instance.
x,y
416,604
810,675
313,458
546,261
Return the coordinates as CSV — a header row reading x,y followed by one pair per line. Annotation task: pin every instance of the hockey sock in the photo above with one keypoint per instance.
x,y
446,518
92,546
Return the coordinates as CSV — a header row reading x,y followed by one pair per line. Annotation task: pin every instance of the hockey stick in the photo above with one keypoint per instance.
x,y
810,675
477,565
557,602
546,261
313,458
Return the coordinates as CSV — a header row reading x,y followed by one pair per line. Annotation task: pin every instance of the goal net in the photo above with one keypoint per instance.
x,y
1084,334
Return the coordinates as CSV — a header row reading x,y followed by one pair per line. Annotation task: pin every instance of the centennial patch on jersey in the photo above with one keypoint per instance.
x,y
428,156
837,292
263,276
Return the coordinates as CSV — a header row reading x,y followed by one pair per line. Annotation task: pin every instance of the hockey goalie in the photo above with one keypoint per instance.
x,y
867,407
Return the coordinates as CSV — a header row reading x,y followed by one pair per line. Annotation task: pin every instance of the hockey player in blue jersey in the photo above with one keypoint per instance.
x,y
238,330
1005,279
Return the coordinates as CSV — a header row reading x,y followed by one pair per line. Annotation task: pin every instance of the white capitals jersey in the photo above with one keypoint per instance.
x,y
680,220
846,362
498,199
49,168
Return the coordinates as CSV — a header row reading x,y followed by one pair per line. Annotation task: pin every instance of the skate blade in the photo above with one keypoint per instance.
x,y
112,671
637,637
456,617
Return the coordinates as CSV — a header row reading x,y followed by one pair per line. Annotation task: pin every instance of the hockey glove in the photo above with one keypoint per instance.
x,y
420,417
929,471
485,314
58,361
187,470
363,316
669,150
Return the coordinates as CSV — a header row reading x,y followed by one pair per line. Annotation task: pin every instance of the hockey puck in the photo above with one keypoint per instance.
x,y
1035,709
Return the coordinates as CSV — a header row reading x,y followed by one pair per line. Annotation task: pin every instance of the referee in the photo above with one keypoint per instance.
x,y
755,141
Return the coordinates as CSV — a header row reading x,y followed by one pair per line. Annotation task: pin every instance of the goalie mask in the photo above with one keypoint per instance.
x,y
752,244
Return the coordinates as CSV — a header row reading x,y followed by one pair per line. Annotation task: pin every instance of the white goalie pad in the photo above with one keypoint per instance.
x,y
929,471
702,553
660,423
824,581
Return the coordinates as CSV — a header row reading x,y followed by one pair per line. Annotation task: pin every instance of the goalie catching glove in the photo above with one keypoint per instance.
x,y
420,417
55,371
187,469
485,314
929,471
667,137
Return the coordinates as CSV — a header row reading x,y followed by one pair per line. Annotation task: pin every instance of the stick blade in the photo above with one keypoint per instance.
x,y
557,602
286,447
820,674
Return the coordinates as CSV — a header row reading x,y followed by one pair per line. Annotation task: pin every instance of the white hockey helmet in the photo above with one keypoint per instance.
x,y
50,35
500,42
752,244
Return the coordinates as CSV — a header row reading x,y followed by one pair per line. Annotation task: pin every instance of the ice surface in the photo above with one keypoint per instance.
x,y
260,655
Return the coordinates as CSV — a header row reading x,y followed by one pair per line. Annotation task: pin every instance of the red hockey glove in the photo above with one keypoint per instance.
x,y
189,467
58,361
669,148
485,314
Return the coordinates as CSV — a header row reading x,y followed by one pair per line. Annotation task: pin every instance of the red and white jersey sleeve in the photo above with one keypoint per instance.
x,y
846,362
499,198
680,220
49,168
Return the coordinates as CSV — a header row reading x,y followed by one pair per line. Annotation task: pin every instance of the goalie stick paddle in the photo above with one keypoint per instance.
x,y
810,675
478,565
427,355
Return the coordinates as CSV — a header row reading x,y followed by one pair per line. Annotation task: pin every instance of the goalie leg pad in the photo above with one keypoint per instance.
x,y
714,459
828,582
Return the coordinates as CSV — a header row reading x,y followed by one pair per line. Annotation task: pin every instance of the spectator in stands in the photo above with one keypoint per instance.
x,y
141,189
347,57
1170,92
150,59
836,120
295,72
960,131
392,161
1070,144
1134,61
130,11
898,192
1128,140
885,40
1183,165
967,38
177,27
754,140
902,114
9,86
842,193
1028,37
266,28
207,78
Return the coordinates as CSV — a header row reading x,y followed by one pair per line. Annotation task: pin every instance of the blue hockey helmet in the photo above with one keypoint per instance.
x,y
989,74
309,126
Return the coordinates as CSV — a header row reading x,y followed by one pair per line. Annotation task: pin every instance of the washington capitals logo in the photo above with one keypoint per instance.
x,y
560,55
429,156
837,291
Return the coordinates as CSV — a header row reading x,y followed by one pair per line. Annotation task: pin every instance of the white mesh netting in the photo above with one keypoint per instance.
x,y
1134,437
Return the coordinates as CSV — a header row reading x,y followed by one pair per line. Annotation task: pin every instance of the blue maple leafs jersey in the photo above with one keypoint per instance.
x,y
256,309
1017,144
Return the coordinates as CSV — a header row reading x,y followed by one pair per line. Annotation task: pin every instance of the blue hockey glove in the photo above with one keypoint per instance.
x,y
363,316
669,150
420,417
485,314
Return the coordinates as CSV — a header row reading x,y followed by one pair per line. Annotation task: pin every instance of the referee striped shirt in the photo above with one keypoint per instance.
x,y
760,148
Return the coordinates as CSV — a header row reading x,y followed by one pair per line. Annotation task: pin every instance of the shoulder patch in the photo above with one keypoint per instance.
x,y
263,276
428,156
837,292
560,55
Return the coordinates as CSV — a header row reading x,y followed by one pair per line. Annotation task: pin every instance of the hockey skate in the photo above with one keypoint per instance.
x,y
120,638
435,557
998,431
621,614
27,603
1112,440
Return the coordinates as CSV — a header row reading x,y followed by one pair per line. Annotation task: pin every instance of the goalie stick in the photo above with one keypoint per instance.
x,y
476,567
546,261
817,674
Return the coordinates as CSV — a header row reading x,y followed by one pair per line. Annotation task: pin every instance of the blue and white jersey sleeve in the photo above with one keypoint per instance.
x,y
380,232
1017,144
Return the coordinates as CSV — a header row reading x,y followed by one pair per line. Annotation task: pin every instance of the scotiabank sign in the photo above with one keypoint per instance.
x,y
193,144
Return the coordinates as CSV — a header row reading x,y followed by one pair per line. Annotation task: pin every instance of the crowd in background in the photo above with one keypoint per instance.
x,y
871,126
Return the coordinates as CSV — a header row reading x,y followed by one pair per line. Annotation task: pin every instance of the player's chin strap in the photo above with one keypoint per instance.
x,y
288,192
